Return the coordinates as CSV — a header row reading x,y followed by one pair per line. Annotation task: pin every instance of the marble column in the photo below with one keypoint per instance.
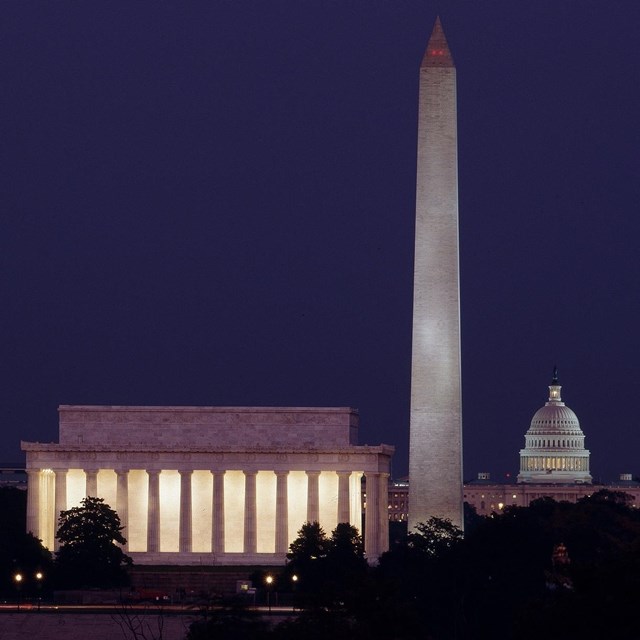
x,y
122,503
383,529
60,491
282,512
343,496
60,500
92,482
313,496
153,515
250,536
217,529
372,517
47,505
33,502
185,512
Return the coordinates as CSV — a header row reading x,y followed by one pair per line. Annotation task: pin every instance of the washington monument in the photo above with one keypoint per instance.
x,y
435,440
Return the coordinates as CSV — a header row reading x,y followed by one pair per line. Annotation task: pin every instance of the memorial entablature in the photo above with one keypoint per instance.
x,y
211,485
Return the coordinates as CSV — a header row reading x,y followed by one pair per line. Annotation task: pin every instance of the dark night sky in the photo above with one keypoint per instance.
x,y
212,203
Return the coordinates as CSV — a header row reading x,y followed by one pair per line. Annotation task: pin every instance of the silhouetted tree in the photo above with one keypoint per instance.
x,y
416,584
436,585
329,571
90,554
510,556
20,552
471,518
306,561
310,545
435,537
345,568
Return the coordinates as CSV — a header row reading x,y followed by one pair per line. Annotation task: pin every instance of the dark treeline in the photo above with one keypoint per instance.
x,y
552,570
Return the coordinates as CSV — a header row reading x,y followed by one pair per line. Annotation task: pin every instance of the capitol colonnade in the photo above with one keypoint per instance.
x,y
218,485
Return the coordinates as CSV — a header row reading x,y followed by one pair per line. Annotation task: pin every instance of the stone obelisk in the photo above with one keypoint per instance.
x,y
435,440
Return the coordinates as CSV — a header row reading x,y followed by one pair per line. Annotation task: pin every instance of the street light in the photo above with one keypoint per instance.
x,y
269,581
18,580
39,579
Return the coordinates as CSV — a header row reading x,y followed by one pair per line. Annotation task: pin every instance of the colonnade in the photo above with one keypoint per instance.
x,y
555,463
248,512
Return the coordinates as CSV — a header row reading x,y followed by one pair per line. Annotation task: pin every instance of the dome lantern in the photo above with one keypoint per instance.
x,y
554,388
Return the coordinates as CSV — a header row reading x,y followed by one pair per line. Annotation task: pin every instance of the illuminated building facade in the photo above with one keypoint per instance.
x,y
554,444
487,496
399,500
435,440
211,485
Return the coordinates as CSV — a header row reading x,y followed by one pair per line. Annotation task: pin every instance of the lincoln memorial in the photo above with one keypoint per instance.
x,y
211,485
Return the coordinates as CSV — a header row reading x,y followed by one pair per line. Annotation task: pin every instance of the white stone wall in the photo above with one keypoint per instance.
x,y
435,444
208,426
230,500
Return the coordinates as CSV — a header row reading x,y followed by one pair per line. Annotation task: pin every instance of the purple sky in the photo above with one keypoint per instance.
x,y
212,203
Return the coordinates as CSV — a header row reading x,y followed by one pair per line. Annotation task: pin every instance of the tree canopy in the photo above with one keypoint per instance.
x,y
20,552
509,563
435,537
328,569
553,570
90,554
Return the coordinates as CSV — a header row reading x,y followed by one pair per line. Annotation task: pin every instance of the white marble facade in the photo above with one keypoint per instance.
x,y
211,485
435,438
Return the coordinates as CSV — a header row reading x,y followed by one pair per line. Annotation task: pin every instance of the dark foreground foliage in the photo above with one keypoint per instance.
x,y
20,552
552,570
90,555
329,572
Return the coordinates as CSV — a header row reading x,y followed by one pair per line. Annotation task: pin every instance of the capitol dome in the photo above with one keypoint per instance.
x,y
554,444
